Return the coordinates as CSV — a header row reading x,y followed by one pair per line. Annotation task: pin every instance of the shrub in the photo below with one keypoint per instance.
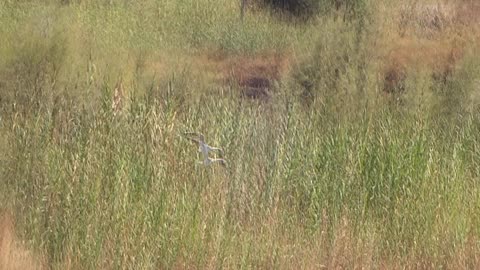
x,y
349,9
298,8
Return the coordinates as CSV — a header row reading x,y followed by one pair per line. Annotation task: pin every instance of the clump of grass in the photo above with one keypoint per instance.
x,y
118,186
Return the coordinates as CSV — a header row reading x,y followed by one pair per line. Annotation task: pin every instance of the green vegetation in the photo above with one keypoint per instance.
x,y
331,171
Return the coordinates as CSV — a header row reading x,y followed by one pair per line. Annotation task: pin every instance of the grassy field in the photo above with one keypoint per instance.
x,y
353,142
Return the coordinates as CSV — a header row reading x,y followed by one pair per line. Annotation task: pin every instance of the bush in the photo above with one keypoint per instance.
x,y
298,8
349,9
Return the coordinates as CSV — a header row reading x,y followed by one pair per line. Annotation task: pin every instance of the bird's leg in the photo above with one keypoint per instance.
x,y
218,150
222,161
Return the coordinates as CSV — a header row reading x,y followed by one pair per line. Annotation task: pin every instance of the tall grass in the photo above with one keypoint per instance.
x,y
346,180
126,191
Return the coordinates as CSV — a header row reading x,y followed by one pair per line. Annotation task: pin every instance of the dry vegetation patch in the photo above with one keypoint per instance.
x,y
468,12
255,75
13,255
438,57
429,37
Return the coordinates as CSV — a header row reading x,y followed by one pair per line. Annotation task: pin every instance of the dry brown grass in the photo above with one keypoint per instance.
x,y
13,254
438,58
427,37
468,12
255,75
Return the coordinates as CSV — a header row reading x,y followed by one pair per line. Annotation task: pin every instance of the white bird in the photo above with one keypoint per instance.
x,y
205,149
